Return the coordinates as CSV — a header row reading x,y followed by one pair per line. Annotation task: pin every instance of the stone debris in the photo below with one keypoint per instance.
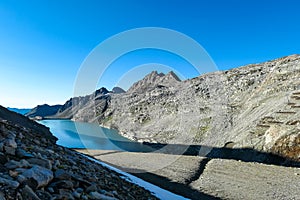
x,y
34,167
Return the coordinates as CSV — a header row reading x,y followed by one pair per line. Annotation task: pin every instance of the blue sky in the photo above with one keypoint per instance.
x,y
43,43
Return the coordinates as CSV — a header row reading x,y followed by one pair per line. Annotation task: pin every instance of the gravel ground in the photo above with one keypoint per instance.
x,y
230,179
200,178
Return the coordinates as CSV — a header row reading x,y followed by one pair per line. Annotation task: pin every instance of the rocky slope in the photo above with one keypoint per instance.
x,y
33,167
255,106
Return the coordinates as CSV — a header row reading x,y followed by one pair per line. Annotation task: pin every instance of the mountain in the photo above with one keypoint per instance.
x,y
21,111
86,108
254,106
153,80
118,90
41,111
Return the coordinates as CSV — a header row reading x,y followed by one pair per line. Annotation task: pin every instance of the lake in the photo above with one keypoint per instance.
x,y
87,135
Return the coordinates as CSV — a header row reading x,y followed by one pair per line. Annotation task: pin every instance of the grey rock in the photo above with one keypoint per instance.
x,y
21,153
79,190
62,174
20,170
51,190
65,194
3,158
21,178
10,183
28,193
12,164
41,162
40,174
10,150
97,195
66,184
91,188
1,146
43,195
10,143
56,164
76,195
2,197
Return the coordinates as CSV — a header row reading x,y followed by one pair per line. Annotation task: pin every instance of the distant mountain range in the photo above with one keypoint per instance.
x,y
71,107
22,111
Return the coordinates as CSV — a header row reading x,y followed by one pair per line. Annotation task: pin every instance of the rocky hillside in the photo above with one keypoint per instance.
x,y
255,106
33,167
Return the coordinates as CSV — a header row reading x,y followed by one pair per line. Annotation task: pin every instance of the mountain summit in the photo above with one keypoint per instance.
x,y
155,79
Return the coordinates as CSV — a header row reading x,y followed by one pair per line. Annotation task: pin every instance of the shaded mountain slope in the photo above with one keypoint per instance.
x,y
43,111
86,104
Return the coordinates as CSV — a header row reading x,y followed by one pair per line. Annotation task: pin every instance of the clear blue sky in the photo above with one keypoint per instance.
x,y
43,43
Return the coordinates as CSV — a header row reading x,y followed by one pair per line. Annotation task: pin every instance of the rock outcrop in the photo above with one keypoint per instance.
x,y
32,166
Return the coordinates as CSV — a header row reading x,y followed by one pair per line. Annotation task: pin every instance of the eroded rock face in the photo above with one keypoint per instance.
x,y
288,146
32,166
253,106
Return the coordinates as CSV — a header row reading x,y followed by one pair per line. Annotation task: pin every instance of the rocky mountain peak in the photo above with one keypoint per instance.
x,y
101,91
118,90
153,79
172,76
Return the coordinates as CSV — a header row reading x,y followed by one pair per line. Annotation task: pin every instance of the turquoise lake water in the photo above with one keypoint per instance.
x,y
87,135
